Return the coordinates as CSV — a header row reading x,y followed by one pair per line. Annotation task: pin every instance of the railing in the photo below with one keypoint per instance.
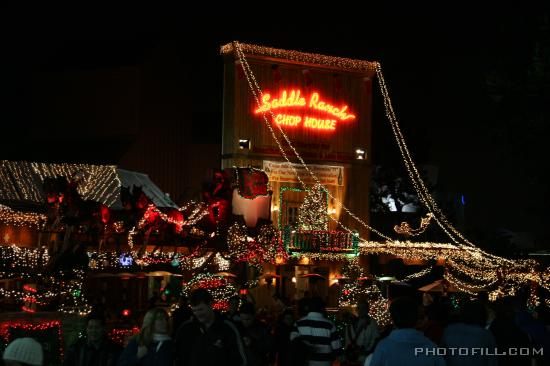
x,y
320,241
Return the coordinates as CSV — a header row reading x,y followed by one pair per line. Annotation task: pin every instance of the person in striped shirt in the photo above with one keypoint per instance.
x,y
318,334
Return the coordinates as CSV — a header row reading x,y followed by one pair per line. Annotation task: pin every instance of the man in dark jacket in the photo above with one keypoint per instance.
x,y
94,350
207,339
255,335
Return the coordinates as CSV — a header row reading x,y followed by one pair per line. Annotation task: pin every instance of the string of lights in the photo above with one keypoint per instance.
x,y
406,229
419,274
30,326
336,62
416,179
255,88
219,287
413,172
22,219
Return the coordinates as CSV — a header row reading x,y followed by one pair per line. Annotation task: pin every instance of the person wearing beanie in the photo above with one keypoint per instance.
x,y
23,352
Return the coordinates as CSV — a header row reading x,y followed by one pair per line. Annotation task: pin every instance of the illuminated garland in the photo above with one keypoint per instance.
x,y
20,219
198,213
222,263
483,257
98,183
266,248
351,293
257,93
352,269
16,259
32,326
419,274
73,300
378,306
336,257
405,227
336,62
219,287
120,335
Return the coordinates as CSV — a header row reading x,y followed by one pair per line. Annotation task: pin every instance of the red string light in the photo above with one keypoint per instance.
x,y
32,326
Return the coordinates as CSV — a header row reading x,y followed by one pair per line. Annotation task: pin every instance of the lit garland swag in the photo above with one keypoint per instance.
x,y
266,248
220,288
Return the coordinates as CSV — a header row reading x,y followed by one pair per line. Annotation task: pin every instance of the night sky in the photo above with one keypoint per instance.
x,y
470,87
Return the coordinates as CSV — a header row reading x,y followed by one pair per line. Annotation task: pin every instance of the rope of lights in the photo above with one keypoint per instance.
x,y
255,88
476,253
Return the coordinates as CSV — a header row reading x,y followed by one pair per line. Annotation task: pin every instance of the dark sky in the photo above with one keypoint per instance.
x,y
437,63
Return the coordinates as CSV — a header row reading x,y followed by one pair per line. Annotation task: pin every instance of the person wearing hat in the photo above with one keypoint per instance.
x,y
23,352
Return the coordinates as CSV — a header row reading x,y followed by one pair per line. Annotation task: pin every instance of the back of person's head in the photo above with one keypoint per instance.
x,y
363,308
200,296
404,312
474,312
438,312
247,314
247,308
504,309
234,302
96,316
303,306
287,317
316,304
24,351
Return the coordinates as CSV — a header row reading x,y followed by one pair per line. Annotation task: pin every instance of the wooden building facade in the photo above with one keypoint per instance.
x,y
323,105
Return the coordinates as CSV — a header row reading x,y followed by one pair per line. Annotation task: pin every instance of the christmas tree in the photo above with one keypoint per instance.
x,y
313,212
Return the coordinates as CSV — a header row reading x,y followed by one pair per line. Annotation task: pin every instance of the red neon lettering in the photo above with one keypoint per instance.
x,y
294,99
284,119
315,103
320,124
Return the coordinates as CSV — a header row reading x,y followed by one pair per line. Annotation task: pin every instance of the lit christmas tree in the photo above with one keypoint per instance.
x,y
313,212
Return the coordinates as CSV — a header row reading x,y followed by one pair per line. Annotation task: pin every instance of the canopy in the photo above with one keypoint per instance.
x,y
438,286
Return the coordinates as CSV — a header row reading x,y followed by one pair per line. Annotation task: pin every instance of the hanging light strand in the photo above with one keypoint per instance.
x,y
256,90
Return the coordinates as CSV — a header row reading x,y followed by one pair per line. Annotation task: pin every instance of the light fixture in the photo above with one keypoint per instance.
x,y
244,144
293,279
360,154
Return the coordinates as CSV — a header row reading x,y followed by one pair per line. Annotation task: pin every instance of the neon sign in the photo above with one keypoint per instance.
x,y
293,99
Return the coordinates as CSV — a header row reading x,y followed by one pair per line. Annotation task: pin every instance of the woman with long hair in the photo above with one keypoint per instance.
x,y
153,345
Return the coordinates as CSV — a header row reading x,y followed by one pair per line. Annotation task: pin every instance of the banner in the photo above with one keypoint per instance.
x,y
282,172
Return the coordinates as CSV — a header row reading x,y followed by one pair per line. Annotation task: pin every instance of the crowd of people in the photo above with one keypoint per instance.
x,y
196,334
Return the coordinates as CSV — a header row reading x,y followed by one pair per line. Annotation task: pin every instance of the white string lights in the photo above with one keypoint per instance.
x,y
484,261
405,228
20,219
20,180
257,93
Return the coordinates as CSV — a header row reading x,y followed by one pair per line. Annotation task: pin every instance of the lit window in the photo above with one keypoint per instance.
x,y
244,144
